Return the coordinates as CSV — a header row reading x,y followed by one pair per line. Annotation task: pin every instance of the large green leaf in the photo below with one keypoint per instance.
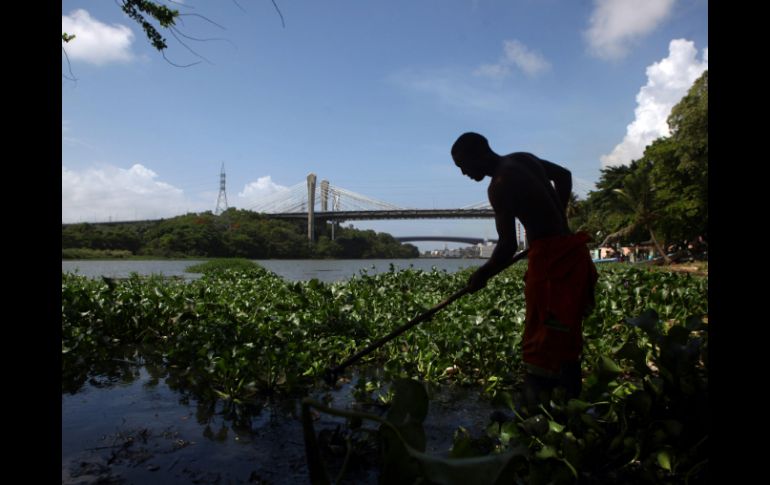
x,y
410,402
483,470
647,321
633,352
536,425
405,464
678,334
608,369
664,459
576,406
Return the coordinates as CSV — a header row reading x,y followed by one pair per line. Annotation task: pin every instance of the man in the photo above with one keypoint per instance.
x,y
560,277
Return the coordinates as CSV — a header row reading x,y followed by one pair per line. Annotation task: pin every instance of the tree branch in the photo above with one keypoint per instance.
x,y
180,4
617,234
201,40
69,66
177,65
239,6
174,32
137,9
201,16
279,13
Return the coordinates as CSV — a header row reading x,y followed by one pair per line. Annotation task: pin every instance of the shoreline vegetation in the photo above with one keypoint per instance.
x,y
233,234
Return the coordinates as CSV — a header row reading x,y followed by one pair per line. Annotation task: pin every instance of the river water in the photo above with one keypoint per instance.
x,y
135,429
326,270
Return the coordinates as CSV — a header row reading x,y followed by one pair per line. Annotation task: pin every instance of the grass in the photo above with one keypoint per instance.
x,y
221,264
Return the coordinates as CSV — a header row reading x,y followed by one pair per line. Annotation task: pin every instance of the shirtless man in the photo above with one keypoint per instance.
x,y
560,278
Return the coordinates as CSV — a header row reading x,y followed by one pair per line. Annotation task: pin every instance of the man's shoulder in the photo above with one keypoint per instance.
x,y
520,161
517,156
512,166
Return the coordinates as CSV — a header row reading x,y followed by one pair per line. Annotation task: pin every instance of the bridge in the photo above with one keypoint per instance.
x,y
466,240
328,203
325,202
340,216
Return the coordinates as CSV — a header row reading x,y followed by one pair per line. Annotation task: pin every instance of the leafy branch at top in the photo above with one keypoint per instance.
x,y
164,15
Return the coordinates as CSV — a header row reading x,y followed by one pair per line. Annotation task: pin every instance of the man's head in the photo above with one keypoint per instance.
x,y
472,154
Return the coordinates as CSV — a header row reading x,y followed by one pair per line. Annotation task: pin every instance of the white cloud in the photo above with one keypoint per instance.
x,y
617,23
464,90
112,193
514,54
95,42
667,82
264,186
452,89
528,61
493,71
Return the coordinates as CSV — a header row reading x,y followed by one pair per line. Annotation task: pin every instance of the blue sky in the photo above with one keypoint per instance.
x,y
369,95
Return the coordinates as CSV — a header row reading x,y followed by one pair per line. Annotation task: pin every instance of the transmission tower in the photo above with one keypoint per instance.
x,y
222,199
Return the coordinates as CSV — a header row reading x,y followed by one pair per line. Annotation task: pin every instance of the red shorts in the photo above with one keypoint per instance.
x,y
559,292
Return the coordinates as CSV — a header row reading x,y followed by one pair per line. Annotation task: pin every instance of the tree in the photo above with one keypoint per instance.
x,y
637,197
675,192
575,212
665,193
601,212
681,165
144,12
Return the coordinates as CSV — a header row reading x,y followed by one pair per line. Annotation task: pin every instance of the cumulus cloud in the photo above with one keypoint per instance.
x,y
112,193
514,54
263,187
615,24
96,42
667,82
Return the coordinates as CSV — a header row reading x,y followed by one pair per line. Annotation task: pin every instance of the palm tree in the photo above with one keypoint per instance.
x,y
575,212
573,206
636,199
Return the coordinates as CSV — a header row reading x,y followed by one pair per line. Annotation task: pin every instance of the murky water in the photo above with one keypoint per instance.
x,y
141,431
147,433
137,429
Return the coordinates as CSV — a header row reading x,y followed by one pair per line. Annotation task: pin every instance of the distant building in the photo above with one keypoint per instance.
x,y
638,252
521,235
485,250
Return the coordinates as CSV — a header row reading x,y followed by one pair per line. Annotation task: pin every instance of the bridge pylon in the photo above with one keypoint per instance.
x,y
311,178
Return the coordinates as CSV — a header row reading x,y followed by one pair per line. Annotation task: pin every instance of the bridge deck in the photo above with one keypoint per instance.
x,y
356,215
391,214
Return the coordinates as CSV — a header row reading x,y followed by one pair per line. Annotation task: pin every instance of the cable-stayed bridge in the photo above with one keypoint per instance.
x,y
323,202
329,202
326,202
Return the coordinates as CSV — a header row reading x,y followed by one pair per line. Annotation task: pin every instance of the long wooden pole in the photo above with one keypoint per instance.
x,y
330,375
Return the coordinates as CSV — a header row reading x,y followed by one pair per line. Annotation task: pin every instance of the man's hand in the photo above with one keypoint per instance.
x,y
477,281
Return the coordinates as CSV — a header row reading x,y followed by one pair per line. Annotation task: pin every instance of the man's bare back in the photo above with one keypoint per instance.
x,y
521,188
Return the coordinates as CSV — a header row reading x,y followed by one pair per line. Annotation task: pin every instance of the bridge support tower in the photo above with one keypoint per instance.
x,y
311,178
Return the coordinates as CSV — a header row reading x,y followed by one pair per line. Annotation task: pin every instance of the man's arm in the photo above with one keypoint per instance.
x,y
562,181
506,240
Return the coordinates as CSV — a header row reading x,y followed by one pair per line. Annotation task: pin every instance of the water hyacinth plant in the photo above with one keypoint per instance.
x,y
241,335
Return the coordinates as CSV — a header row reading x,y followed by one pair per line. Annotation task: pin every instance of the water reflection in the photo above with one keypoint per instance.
x,y
326,270
135,420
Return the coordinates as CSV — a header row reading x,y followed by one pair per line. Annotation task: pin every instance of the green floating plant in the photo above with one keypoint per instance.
x,y
403,444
